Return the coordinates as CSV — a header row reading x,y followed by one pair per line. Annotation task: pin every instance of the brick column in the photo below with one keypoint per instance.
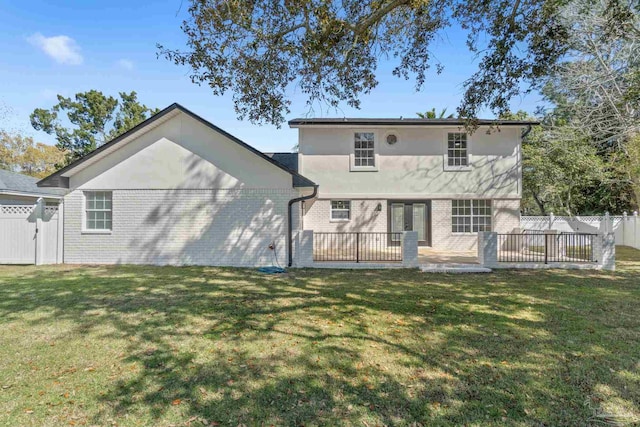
x,y
410,249
305,249
607,256
488,248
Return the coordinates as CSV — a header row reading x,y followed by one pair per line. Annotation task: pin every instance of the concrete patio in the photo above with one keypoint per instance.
x,y
438,256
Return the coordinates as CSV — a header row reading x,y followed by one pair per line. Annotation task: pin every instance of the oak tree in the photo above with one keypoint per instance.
x,y
330,50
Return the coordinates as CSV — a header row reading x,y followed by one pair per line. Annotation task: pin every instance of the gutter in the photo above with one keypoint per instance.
x,y
27,194
290,225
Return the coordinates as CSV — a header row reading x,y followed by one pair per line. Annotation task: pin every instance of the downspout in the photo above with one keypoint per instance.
x,y
290,225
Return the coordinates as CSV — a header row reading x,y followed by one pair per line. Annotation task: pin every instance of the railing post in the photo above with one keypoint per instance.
x,y
358,247
306,245
636,244
488,247
39,211
409,248
624,229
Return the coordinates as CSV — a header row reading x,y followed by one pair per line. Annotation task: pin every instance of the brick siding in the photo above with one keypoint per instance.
x,y
200,227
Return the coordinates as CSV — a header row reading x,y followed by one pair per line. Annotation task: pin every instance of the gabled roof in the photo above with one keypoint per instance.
x,y
405,122
61,177
19,184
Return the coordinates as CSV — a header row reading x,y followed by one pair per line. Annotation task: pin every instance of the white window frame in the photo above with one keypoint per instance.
x,y
376,143
448,167
332,210
85,210
473,215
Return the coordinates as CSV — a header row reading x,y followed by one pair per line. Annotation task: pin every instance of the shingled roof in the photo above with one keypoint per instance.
x,y
19,184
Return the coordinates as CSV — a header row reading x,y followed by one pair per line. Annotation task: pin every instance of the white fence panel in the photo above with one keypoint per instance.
x,y
626,228
22,230
17,234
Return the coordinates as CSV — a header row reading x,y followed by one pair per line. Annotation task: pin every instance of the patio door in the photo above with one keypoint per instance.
x,y
411,215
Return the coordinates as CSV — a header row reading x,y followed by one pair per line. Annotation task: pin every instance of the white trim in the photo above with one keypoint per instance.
x,y
35,195
352,156
445,156
96,231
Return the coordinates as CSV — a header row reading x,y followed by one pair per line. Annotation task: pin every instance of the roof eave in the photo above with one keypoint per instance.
x,y
298,123
28,194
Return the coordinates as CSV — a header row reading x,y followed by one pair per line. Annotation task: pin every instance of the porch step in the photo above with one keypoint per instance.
x,y
454,268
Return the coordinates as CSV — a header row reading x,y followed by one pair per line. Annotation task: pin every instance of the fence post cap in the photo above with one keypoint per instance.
x,y
635,213
624,213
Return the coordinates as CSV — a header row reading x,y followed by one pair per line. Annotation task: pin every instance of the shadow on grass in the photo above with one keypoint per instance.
x,y
330,347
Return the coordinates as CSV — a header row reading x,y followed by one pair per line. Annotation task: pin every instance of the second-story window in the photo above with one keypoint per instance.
x,y
364,153
457,149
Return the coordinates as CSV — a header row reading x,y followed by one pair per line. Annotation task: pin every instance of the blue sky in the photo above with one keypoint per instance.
x,y
50,47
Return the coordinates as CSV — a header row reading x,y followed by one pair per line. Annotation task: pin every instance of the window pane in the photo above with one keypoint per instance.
x,y
340,214
364,149
457,154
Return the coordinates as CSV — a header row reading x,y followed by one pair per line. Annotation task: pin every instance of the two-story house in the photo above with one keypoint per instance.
x,y
176,189
425,175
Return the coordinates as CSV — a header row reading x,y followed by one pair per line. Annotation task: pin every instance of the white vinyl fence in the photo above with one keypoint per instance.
x,y
626,227
30,234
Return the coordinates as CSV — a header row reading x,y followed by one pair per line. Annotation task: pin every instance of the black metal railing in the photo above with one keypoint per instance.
x,y
357,247
546,248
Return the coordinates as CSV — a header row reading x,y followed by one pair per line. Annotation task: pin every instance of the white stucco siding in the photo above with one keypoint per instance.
x,y
181,153
414,167
201,227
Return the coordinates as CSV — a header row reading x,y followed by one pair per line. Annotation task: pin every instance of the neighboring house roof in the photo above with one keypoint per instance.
x,y
406,122
61,177
23,185
288,160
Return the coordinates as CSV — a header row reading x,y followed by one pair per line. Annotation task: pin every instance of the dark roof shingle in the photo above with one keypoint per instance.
x,y
13,182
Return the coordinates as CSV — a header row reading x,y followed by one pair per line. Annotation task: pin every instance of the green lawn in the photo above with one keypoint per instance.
x,y
127,345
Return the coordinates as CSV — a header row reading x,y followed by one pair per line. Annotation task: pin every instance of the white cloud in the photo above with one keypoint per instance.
x,y
63,49
126,64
